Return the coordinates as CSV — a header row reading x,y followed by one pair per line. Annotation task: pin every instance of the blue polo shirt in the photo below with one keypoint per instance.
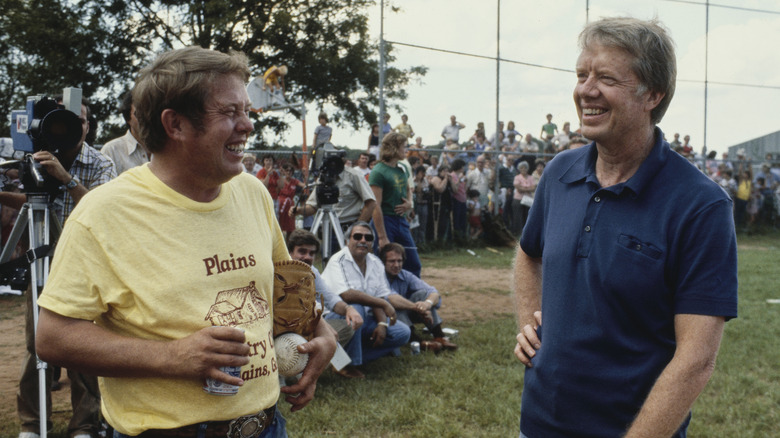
x,y
618,263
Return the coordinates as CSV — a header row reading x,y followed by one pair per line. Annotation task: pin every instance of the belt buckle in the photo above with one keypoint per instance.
x,y
248,426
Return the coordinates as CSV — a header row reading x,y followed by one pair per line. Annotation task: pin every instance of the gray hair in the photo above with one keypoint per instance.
x,y
523,164
655,63
348,234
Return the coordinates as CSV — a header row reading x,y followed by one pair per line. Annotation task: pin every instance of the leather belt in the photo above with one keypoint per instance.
x,y
248,426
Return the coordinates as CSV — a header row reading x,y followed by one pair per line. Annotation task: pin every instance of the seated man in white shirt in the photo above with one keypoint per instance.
x,y
303,246
358,276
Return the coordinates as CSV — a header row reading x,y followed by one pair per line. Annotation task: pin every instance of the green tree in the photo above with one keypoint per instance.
x,y
99,45
46,45
325,44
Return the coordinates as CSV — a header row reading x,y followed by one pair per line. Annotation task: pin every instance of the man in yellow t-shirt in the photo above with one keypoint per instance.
x,y
188,295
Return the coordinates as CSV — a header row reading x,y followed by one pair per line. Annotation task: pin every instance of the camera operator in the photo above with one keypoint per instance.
x,y
355,203
78,170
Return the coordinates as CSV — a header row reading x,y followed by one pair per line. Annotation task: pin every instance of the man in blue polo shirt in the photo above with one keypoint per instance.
x,y
627,269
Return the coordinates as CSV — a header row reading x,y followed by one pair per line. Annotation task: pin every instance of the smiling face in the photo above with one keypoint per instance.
x,y
216,147
304,253
608,104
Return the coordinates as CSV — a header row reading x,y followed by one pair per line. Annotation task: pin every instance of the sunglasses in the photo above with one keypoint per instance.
x,y
359,236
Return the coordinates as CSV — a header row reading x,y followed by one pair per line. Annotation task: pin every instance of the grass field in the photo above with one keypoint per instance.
x,y
475,392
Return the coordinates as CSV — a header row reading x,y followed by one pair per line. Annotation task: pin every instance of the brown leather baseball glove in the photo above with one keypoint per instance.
x,y
294,299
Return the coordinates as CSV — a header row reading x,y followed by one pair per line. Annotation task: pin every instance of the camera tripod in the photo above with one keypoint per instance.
x,y
37,217
329,221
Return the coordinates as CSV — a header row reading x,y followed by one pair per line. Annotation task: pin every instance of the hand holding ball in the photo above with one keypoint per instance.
x,y
290,361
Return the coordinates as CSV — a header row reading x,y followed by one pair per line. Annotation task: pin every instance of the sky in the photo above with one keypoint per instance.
x,y
741,50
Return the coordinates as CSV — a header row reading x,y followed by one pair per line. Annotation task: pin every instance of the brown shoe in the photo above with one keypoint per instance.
x,y
350,372
446,343
430,346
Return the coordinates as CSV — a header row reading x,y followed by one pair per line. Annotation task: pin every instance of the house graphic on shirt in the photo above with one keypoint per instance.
x,y
238,306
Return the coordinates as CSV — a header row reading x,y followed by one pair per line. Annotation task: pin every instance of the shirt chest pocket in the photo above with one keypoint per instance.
x,y
635,269
636,246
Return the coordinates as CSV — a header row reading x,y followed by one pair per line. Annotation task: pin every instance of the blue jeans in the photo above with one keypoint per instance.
x,y
397,229
354,347
409,317
277,429
361,348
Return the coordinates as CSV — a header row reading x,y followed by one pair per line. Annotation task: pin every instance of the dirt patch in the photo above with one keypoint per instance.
x,y
467,294
472,294
12,350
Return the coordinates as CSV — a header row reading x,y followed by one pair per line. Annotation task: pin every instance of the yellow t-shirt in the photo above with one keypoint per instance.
x,y
144,261
743,190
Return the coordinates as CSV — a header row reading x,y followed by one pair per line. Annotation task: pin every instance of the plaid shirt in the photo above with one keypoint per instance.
x,y
92,169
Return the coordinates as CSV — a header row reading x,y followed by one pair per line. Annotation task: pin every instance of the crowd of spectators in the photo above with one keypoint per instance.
x,y
502,170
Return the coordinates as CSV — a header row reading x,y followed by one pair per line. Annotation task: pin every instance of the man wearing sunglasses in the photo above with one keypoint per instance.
x,y
358,276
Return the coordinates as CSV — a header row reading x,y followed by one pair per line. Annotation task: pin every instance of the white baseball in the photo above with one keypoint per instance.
x,y
290,361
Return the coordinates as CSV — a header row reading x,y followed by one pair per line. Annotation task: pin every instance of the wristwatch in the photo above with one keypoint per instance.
x,y
71,184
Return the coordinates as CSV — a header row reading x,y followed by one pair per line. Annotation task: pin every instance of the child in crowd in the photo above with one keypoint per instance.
x,y
322,133
475,212
287,188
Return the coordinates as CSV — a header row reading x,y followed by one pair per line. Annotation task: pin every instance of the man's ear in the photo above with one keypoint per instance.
x,y
174,123
654,98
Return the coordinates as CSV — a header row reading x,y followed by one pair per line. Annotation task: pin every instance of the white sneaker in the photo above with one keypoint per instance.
x,y
28,435
82,435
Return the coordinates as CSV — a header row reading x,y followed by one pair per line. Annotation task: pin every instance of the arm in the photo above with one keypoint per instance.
x,y
528,301
320,350
401,303
406,205
670,400
367,211
352,296
439,184
306,210
421,307
267,178
349,313
82,345
379,219
55,170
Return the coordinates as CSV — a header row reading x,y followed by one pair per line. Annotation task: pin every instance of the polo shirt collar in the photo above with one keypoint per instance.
x,y
584,167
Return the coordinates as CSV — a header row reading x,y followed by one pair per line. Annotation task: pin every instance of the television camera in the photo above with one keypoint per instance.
x,y
44,125
329,162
